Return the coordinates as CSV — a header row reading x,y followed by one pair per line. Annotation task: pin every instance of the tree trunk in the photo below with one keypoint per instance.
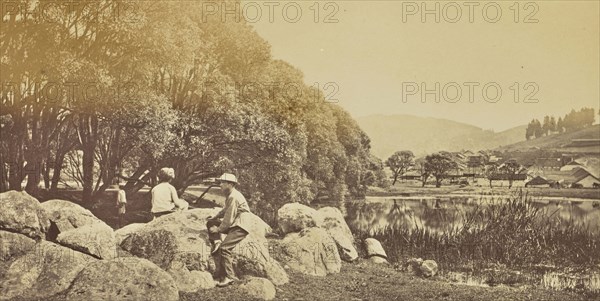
x,y
88,171
46,175
33,170
89,137
14,176
395,179
57,169
15,168
3,174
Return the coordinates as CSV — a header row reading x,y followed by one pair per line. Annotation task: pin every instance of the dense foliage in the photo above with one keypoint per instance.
x,y
92,97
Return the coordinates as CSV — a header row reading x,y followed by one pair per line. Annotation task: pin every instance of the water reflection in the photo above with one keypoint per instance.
x,y
440,214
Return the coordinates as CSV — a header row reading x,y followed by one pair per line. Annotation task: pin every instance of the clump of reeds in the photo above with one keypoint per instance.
x,y
508,232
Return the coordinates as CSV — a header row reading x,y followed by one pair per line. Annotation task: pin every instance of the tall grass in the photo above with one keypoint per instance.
x,y
509,232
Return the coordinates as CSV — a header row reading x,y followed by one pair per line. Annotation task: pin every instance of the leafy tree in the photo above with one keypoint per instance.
x,y
425,174
510,168
529,130
546,127
491,171
579,119
538,131
400,162
552,124
559,125
200,95
439,165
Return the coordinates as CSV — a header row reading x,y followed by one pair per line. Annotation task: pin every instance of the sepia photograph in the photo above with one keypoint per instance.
x,y
358,150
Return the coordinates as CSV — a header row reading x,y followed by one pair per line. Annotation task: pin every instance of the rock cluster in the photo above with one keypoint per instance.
x,y
60,247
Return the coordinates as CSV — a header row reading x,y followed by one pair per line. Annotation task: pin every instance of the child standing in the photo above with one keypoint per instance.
x,y
121,205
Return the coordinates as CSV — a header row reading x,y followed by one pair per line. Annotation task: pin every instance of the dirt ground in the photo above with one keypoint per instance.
x,y
367,281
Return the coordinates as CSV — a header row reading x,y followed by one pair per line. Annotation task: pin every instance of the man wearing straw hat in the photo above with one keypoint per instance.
x,y
236,224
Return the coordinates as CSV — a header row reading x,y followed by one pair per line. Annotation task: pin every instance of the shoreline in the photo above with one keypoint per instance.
x,y
443,197
586,194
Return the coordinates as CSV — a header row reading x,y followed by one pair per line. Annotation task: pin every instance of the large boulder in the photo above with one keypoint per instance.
x,y
127,278
258,288
334,223
311,251
190,281
96,239
182,238
179,236
251,257
22,213
14,245
45,271
77,228
159,246
122,233
294,217
67,215
258,227
375,251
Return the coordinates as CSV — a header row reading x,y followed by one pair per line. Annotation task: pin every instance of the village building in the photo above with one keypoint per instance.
x,y
570,166
586,178
541,182
578,176
548,163
503,180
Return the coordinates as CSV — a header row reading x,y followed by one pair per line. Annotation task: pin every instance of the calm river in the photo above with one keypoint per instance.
x,y
438,213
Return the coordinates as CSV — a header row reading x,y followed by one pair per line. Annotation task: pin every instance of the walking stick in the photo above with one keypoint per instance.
x,y
204,193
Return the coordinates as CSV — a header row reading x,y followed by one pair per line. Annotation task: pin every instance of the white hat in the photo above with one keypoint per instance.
x,y
227,177
166,172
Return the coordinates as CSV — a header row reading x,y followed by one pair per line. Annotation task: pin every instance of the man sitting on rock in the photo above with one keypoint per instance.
x,y
164,195
236,224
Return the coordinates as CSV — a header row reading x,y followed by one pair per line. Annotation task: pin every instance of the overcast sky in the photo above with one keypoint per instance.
x,y
374,56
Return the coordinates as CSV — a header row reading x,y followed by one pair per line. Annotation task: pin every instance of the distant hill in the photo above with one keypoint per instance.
x,y
561,142
424,135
